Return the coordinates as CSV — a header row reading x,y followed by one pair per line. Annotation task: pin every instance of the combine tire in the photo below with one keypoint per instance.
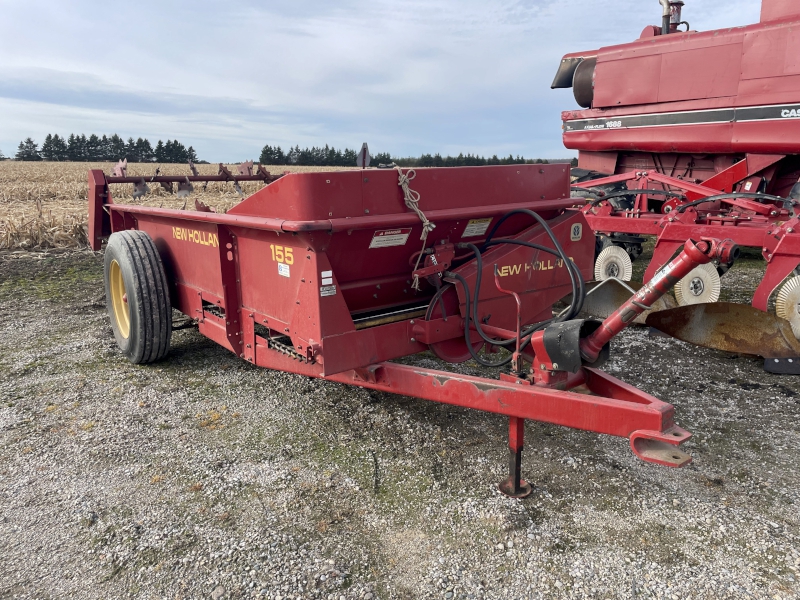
x,y
787,305
137,297
700,286
613,261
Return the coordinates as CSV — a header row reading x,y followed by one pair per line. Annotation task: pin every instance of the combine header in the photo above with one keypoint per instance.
x,y
335,274
688,134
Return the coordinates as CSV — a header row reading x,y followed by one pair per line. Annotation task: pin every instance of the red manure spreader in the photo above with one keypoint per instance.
x,y
685,135
335,274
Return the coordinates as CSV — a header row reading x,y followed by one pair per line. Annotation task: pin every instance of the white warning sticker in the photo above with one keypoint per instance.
x,y
476,227
283,270
327,290
390,237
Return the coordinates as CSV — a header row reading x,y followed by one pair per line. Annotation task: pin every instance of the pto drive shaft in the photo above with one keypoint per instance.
x,y
693,255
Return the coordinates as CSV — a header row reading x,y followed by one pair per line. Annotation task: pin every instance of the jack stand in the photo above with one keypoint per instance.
x,y
514,486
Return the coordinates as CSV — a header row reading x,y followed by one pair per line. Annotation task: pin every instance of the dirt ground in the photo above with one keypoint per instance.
x,y
205,477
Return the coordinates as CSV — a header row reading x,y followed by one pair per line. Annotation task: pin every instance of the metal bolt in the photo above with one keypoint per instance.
x,y
248,346
555,366
413,340
543,367
790,230
366,210
412,321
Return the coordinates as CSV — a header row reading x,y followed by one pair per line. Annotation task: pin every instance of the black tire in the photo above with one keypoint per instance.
x,y
141,307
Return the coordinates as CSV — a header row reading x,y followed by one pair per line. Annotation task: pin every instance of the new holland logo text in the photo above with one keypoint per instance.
x,y
537,265
198,237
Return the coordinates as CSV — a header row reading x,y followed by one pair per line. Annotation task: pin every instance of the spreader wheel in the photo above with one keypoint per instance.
x,y
137,297
700,286
787,305
613,261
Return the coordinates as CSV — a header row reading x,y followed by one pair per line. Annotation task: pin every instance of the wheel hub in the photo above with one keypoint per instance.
x,y
613,270
696,287
119,300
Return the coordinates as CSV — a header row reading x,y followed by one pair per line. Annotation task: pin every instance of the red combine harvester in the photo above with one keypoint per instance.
x,y
688,134
334,274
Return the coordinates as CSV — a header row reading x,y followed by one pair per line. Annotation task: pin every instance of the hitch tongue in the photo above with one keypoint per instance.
x,y
661,447
692,255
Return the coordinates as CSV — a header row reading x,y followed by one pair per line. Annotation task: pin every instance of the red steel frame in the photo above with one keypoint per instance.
x,y
771,228
221,276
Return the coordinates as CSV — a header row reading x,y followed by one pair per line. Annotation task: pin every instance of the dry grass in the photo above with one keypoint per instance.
x,y
44,205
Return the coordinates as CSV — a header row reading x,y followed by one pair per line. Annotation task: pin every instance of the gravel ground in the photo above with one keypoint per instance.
x,y
205,477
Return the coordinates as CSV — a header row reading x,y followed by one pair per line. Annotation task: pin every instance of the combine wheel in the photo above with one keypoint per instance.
x,y
700,286
137,297
787,305
613,261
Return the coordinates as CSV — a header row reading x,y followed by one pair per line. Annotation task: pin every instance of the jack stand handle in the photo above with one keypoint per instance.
x,y
692,255
516,361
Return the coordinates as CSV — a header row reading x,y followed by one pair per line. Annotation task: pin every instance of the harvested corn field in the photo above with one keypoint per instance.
x,y
44,205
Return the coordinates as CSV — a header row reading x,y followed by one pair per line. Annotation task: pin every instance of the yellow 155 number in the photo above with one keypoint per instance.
x,y
282,254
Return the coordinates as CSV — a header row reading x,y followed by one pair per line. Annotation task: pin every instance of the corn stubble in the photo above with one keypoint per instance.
x,y
44,205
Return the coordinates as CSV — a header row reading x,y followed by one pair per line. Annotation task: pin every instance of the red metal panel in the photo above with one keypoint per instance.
x,y
627,81
764,53
700,73
189,250
99,222
602,162
772,10
307,197
466,187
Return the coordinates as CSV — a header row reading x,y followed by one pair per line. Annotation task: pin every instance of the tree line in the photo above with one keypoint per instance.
x,y
79,148
328,156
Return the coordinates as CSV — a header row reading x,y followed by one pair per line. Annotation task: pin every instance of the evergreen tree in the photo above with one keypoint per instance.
x,y
144,150
28,150
60,149
47,148
130,151
2,156
93,149
116,148
160,152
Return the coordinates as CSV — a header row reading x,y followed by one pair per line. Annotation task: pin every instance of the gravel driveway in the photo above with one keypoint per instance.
x,y
205,477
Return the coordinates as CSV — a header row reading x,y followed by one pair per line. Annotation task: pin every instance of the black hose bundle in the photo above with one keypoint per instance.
x,y
578,288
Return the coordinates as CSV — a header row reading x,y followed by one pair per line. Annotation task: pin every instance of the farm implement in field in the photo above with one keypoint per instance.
x,y
686,135
336,274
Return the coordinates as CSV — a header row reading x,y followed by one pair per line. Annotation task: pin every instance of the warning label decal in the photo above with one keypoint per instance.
x,y
476,227
390,237
327,290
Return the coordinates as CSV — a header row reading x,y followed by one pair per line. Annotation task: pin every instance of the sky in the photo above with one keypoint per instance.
x,y
407,76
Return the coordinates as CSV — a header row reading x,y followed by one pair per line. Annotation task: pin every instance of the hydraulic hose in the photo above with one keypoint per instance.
x,y
576,279
636,193
751,195
578,285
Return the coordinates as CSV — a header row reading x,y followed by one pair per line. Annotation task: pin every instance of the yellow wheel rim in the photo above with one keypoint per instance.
x,y
119,300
